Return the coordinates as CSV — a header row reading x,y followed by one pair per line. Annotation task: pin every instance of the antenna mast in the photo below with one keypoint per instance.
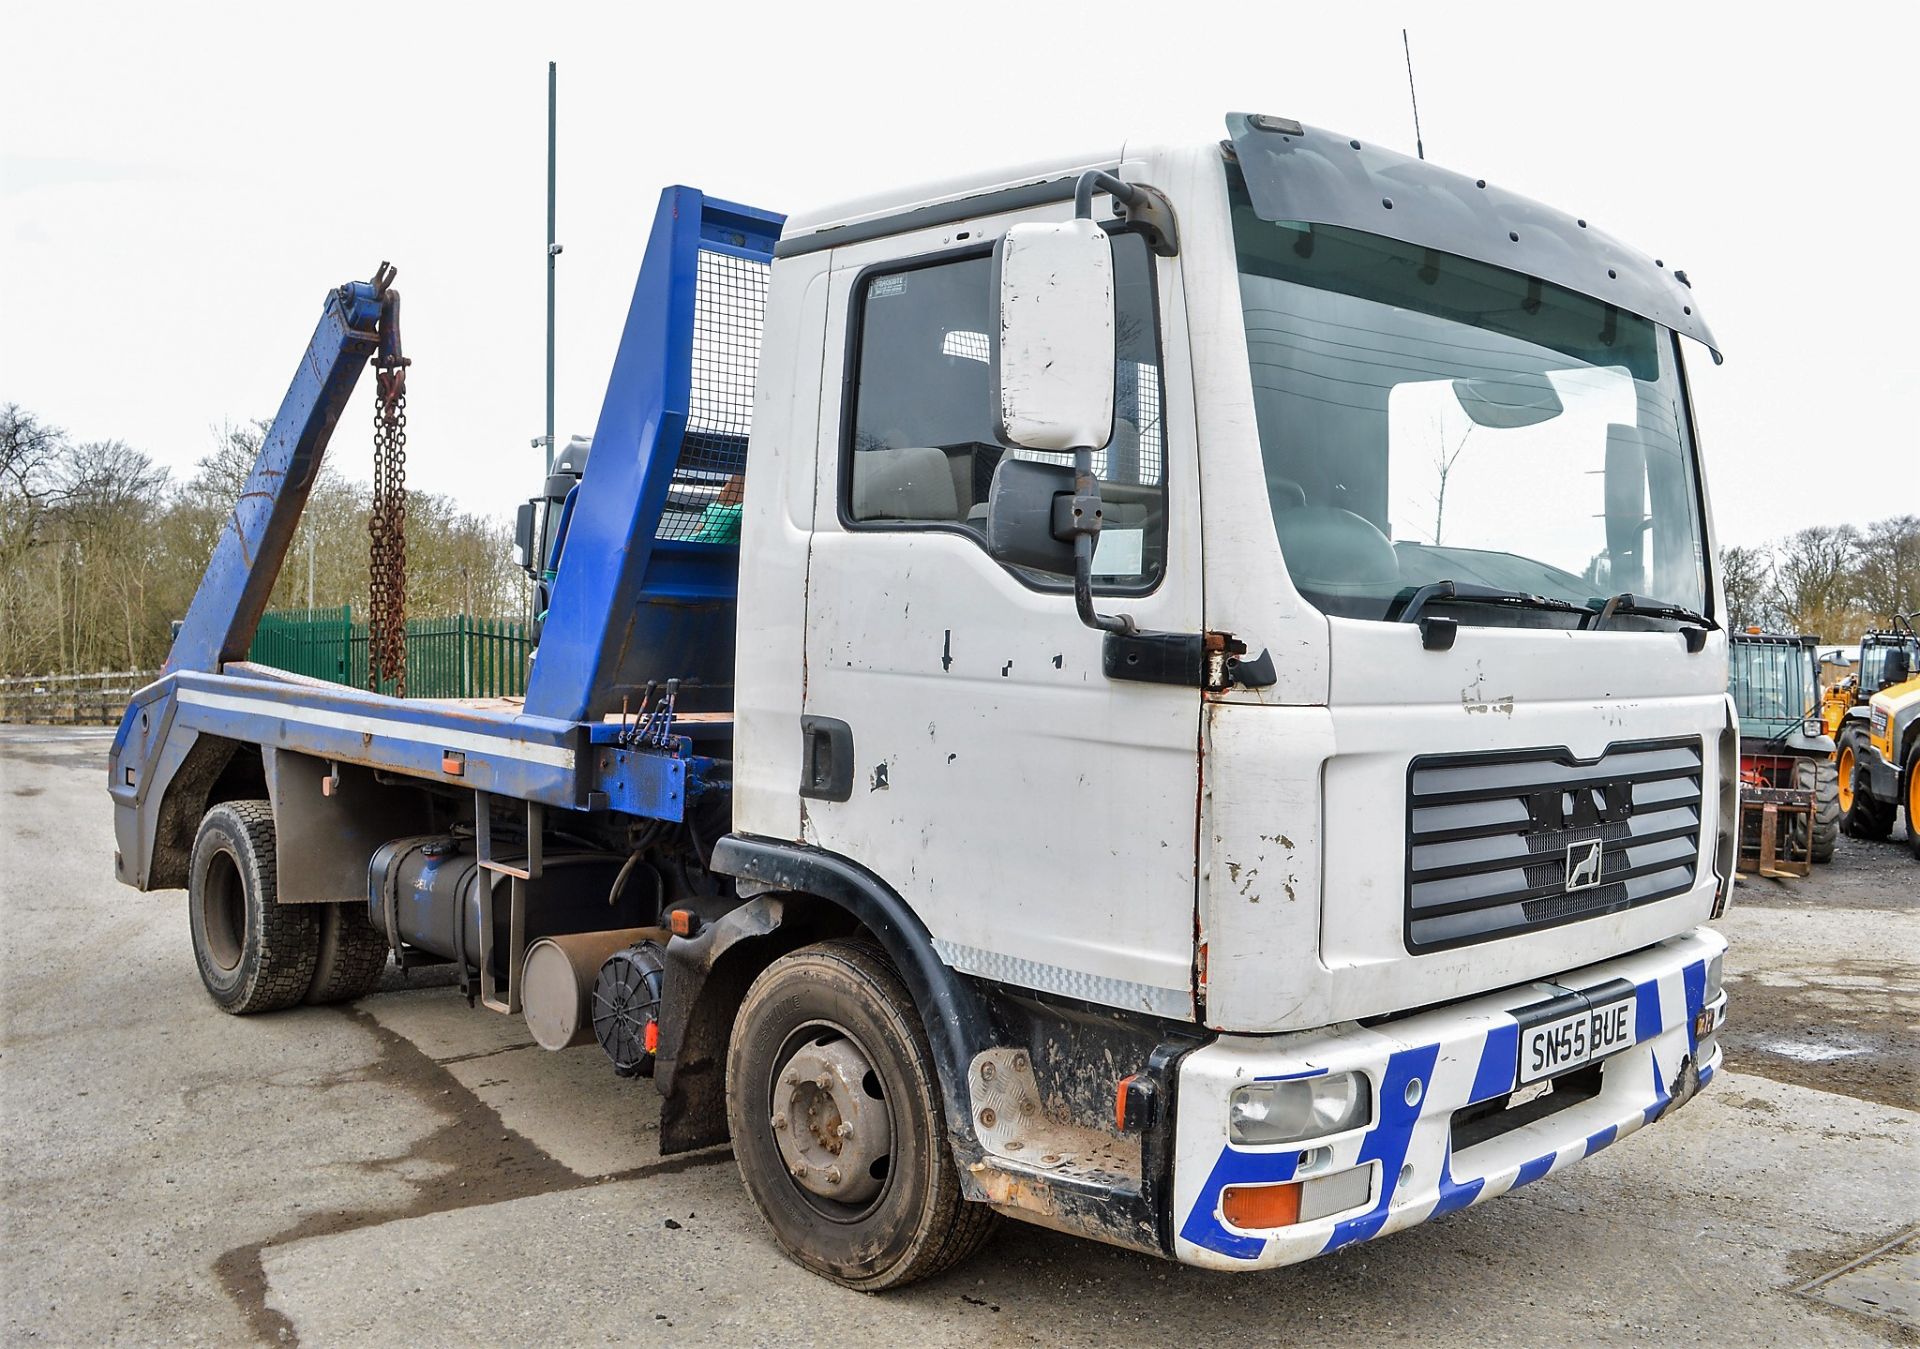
x,y
1418,145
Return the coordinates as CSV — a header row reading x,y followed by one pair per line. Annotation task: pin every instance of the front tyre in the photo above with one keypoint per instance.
x,y
1860,814
1912,777
834,1106
1821,778
255,954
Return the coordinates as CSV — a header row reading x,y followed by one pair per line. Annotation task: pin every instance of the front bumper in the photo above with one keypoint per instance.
x,y
1424,1069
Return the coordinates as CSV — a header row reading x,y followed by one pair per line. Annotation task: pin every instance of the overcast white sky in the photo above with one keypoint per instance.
x,y
181,184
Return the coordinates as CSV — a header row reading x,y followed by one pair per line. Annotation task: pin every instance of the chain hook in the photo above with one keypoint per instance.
x,y
387,524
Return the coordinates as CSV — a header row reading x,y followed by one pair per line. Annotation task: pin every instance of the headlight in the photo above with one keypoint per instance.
x,y
1265,1113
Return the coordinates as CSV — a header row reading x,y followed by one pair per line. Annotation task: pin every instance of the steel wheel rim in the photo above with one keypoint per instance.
x,y
223,912
1844,772
778,1102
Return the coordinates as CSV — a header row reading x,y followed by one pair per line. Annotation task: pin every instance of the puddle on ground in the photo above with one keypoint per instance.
x,y
1844,1026
1810,1053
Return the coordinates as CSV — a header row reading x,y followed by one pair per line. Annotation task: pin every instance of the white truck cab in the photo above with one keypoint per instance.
x,y
1509,815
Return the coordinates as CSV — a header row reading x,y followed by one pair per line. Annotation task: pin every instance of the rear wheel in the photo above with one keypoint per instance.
x,y
255,954
1820,777
352,955
1860,815
834,1106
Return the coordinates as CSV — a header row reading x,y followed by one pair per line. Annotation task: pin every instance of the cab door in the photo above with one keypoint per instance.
x,y
1039,817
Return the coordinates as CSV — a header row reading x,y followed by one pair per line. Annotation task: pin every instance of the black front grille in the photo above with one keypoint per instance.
x,y
1494,839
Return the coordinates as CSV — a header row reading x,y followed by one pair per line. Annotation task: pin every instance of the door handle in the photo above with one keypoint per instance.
x,y
826,759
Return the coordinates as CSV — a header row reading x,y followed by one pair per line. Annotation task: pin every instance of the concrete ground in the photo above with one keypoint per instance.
x,y
405,1171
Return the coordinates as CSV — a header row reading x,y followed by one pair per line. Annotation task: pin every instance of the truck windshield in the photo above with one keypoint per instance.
x,y
1424,418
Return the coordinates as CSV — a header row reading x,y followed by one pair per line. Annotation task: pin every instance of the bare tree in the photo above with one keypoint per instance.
x,y
27,446
1747,575
1443,466
1887,575
101,550
1814,581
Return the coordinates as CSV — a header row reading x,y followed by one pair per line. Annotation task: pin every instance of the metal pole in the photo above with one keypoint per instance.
x,y
553,249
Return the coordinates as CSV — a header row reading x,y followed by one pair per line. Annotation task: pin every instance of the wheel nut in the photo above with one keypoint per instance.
x,y
833,1175
800,1170
779,1121
843,1129
823,1082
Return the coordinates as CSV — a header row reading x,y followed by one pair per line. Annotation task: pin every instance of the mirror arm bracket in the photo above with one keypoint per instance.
x,y
1082,524
1138,204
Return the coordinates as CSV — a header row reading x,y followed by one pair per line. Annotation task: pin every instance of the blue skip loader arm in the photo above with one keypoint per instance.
x,y
644,593
360,319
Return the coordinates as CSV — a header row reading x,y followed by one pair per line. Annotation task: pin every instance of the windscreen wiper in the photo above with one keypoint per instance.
x,y
1629,603
1436,633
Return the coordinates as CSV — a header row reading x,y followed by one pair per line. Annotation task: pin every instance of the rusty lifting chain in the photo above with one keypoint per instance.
x,y
387,525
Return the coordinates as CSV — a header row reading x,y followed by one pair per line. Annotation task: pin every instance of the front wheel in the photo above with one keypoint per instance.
x,y
834,1106
1913,799
1860,814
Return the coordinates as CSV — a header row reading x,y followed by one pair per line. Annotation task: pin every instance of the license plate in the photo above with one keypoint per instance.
x,y
1554,1047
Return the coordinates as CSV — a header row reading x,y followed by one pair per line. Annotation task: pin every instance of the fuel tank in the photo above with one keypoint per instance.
x,y
428,889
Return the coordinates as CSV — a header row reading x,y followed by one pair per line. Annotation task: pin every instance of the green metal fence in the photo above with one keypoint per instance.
x,y
457,657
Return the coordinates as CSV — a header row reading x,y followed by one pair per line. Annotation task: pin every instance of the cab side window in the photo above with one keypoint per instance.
x,y
921,451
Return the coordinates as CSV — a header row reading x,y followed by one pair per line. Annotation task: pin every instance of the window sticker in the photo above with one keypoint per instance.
x,y
1118,552
883,286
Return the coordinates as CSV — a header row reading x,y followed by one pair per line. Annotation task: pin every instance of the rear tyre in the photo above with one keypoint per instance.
x,y
834,1106
1820,776
1860,815
255,954
351,955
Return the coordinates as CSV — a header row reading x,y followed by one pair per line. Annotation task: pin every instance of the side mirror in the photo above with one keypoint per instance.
x,y
1626,508
1052,347
1021,509
1895,669
523,536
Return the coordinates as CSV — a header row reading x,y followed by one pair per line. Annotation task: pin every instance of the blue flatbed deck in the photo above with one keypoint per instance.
x,y
490,745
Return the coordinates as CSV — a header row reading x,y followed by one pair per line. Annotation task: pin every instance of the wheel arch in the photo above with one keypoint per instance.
x,y
213,769
799,895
